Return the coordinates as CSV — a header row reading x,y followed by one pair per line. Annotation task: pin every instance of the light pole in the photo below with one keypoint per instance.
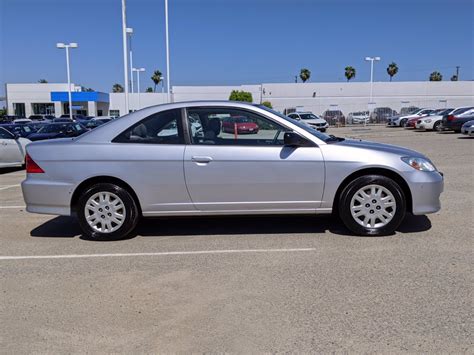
x,y
125,56
167,53
371,60
130,33
67,46
138,70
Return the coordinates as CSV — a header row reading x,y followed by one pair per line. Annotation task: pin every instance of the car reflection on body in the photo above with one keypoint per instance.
x,y
153,163
58,130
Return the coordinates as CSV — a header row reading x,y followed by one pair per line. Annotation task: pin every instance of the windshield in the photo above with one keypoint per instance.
x,y
308,116
461,110
57,128
324,137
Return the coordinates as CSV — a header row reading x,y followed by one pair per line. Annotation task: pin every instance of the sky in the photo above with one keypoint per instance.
x,y
233,42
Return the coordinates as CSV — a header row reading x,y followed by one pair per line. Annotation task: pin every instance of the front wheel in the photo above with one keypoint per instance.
x,y
437,126
107,212
372,205
403,123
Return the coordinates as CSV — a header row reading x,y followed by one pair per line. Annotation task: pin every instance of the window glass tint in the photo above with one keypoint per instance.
x,y
227,126
4,134
160,128
308,116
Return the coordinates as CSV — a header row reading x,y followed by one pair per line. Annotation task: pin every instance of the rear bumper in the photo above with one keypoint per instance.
x,y
426,189
47,197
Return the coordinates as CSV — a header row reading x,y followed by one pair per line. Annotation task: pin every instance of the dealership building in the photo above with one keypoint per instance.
x,y
28,99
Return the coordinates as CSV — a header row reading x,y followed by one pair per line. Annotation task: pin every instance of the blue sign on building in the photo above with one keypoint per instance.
x,y
80,96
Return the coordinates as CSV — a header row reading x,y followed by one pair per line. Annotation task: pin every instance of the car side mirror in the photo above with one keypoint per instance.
x,y
293,139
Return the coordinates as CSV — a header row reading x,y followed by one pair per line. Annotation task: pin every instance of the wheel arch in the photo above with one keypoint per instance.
x,y
102,179
375,171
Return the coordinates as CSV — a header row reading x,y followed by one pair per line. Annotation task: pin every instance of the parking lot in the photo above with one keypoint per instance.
x,y
236,284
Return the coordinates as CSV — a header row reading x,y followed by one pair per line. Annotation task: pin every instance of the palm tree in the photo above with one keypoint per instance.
x,y
350,73
305,74
436,76
117,88
43,81
454,77
156,77
392,69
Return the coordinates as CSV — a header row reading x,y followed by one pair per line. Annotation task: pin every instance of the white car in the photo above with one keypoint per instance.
x,y
360,117
12,149
433,120
22,121
311,120
399,121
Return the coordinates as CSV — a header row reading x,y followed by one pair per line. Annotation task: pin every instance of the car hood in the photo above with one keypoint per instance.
x,y
315,120
380,147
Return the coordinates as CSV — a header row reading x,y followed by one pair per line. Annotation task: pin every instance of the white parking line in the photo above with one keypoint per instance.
x,y
8,187
79,256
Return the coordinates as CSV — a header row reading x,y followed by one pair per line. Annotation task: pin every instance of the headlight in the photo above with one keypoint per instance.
x,y
428,120
419,163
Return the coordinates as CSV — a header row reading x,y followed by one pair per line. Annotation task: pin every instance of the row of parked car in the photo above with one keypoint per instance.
x,y
16,133
460,119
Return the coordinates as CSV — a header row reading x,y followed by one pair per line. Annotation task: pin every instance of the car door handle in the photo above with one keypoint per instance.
x,y
201,160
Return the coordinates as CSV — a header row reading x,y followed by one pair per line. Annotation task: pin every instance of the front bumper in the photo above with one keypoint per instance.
x,y
426,189
467,130
47,197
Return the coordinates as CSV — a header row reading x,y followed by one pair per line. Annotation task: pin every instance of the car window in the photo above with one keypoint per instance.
x,y
228,126
4,134
160,128
308,116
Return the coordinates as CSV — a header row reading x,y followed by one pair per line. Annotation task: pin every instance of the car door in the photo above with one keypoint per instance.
x,y
149,156
251,172
11,151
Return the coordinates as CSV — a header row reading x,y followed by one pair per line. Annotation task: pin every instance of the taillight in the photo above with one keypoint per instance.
x,y
32,167
450,117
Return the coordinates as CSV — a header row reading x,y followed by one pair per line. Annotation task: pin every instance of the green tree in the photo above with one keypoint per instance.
x,y
157,77
43,81
149,89
117,88
454,77
305,74
243,96
436,76
350,73
83,88
392,70
3,111
267,104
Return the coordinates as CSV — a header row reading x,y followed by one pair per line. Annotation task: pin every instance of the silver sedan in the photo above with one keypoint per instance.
x,y
192,158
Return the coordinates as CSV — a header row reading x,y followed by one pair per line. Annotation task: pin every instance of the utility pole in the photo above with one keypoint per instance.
x,y
296,78
457,72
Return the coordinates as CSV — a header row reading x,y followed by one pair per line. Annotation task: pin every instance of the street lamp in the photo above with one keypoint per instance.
x,y
130,33
67,46
167,53
371,60
138,70
125,56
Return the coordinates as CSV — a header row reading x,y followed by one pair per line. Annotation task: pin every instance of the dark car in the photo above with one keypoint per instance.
x,y
334,116
455,120
58,130
21,130
8,118
41,117
78,118
382,114
96,122
239,125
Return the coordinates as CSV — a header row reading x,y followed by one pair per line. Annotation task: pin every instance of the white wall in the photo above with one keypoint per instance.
x,y
117,101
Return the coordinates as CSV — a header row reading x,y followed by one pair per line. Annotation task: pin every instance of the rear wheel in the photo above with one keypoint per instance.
x,y
372,205
107,212
403,123
437,126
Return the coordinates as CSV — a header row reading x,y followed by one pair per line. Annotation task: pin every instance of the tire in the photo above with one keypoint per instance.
x,y
119,203
323,130
436,126
350,200
403,123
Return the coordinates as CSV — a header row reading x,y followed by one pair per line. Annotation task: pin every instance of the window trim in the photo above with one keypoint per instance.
x,y
188,135
179,121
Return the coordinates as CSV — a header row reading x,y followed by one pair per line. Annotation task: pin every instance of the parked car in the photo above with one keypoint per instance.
x,y
400,121
433,120
334,117
22,130
408,110
41,117
62,120
8,118
381,114
239,125
455,120
119,172
12,149
97,121
310,119
58,130
361,117
75,117
468,128
22,121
